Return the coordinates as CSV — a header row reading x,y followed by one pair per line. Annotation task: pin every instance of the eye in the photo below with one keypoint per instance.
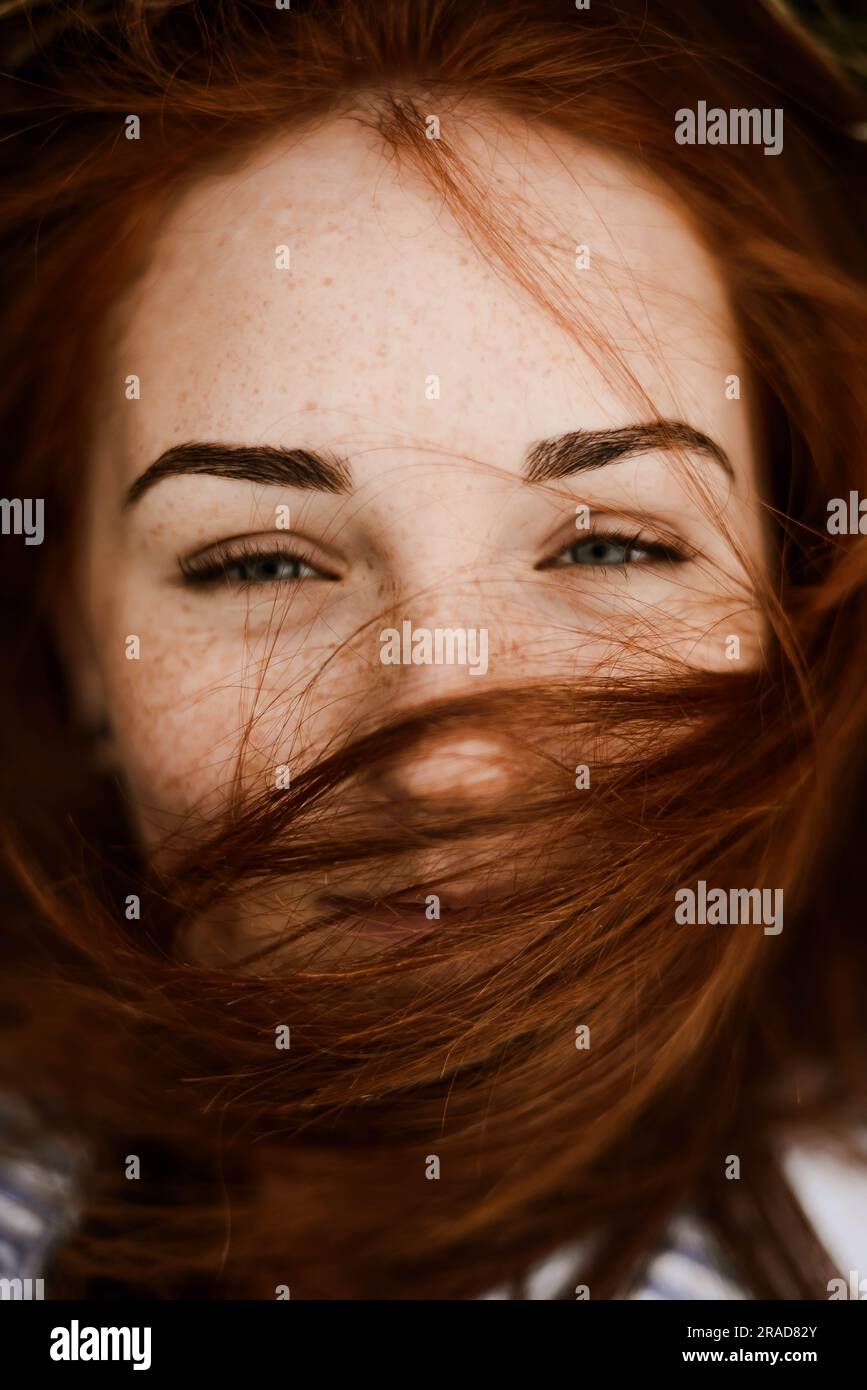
x,y
607,550
267,569
242,565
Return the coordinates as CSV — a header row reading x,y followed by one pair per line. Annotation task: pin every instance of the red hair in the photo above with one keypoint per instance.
x,y
307,1167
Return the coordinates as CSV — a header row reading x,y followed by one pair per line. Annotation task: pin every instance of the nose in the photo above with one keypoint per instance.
x,y
474,769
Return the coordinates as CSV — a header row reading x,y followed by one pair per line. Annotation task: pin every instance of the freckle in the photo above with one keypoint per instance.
x,y
309,405
328,280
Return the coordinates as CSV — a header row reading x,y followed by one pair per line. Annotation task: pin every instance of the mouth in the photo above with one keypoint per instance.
x,y
397,915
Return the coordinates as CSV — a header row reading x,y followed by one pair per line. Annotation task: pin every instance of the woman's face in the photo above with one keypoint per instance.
x,y
324,300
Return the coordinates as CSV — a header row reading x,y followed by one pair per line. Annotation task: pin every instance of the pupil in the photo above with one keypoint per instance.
x,y
261,571
600,551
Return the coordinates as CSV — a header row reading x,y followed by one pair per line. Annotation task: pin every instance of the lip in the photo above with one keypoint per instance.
x,y
386,917
398,915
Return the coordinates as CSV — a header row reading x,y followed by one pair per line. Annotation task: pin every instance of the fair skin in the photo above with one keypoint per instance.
x,y
335,355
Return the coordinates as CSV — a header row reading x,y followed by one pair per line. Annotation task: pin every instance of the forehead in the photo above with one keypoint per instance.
x,y
321,288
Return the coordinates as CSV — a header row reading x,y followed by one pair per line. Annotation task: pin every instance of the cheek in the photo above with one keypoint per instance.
x,y
186,704
723,634
174,719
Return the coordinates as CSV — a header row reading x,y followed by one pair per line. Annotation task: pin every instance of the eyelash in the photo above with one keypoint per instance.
x,y
657,552
211,568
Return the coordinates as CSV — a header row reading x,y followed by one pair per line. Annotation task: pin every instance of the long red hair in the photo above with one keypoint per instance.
x,y
306,1167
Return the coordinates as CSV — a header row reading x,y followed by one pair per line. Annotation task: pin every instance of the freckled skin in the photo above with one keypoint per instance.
x,y
385,291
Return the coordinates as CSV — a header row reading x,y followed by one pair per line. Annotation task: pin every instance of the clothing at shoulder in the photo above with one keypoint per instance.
x,y
688,1267
38,1181
831,1187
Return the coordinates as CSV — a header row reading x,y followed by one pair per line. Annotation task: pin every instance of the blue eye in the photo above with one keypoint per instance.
x,y
247,566
266,569
600,551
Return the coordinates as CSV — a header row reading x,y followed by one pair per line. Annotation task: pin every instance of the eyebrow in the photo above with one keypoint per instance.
x,y
584,450
259,463
577,452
